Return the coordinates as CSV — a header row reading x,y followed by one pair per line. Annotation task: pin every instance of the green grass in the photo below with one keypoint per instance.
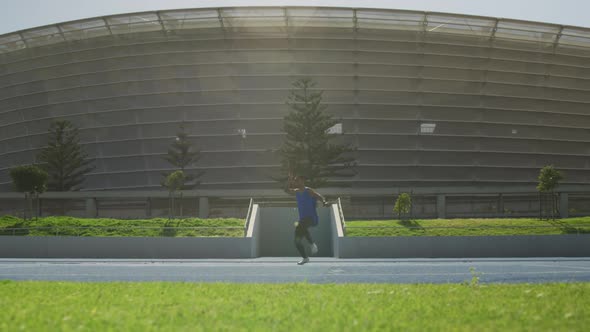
x,y
469,227
117,227
68,306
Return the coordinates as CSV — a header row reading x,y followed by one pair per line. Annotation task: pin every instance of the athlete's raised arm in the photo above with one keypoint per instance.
x,y
318,196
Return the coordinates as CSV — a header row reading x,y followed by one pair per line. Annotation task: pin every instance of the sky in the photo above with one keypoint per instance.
x,y
23,14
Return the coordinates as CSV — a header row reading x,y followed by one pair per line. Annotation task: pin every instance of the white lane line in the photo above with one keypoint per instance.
x,y
277,275
563,266
313,266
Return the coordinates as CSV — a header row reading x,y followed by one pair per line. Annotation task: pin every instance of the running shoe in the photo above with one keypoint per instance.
x,y
303,261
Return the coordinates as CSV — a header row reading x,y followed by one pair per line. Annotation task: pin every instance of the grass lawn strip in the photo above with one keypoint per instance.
x,y
69,306
469,227
70,226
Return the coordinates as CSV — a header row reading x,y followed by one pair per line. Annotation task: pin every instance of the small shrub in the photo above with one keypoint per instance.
x,y
32,181
549,179
403,204
474,277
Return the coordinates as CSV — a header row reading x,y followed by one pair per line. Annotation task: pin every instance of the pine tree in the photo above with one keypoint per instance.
x,y
64,159
308,147
182,155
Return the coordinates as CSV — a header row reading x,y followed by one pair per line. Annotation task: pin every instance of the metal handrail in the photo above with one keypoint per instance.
x,y
342,221
247,223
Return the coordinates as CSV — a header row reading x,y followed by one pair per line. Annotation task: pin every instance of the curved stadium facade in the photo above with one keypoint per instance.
x,y
429,99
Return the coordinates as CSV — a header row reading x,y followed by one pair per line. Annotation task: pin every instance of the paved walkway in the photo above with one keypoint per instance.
x,y
285,269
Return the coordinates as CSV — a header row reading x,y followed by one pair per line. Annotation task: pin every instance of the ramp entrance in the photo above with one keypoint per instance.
x,y
277,232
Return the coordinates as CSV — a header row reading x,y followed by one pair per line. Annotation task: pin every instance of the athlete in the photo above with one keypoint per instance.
x,y
308,217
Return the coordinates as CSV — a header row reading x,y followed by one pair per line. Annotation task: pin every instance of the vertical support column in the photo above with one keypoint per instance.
x,y
39,208
563,205
203,207
148,207
91,209
441,206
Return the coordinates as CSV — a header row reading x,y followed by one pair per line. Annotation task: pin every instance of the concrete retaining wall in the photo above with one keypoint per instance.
x,y
276,237
270,233
465,246
123,247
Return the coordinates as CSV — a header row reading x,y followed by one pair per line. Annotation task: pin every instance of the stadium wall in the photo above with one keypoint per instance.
x,y
505,97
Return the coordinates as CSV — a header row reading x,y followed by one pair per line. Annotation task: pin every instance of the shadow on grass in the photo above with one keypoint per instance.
x,y
169,229
412,225
15,229
569,229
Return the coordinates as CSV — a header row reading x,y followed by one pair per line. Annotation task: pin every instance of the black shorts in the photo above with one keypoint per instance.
x,y
302,227
305,222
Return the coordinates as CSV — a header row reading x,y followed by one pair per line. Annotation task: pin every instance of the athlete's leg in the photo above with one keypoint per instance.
x,y
300,247
299,235
307,235
312,246
306,224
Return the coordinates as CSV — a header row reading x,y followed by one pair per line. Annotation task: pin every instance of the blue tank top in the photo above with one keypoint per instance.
x,y
306,204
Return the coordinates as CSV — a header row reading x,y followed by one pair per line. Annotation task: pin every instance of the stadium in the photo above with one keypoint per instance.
x,y
434,103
